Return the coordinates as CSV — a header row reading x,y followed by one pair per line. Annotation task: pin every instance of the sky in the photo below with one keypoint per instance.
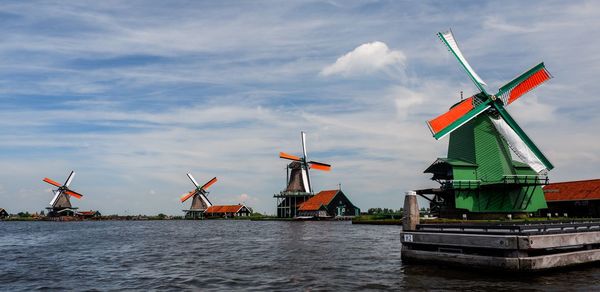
x,y
132,95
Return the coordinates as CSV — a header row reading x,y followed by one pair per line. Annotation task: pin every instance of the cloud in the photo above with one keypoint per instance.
x,y
366,59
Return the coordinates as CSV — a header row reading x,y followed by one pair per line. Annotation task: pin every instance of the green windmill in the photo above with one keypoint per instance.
x,y
479,175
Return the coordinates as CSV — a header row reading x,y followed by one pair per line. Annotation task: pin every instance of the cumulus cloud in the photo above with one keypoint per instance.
x,y
365,59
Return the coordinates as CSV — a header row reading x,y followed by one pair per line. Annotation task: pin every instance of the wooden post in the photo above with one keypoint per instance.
x,y
411,212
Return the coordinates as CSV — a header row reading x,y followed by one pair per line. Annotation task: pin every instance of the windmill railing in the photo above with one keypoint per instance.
x,y
525,179
463,184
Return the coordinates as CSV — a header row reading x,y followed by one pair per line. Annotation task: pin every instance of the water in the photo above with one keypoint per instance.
x,y
236,255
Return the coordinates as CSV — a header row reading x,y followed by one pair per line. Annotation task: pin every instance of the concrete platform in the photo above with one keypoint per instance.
x,y
511,247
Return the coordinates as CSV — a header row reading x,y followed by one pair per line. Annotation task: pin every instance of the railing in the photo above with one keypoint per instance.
x,y
547,227
525,179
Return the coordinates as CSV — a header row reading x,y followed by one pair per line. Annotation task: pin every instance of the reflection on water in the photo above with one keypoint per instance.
x,y
234,255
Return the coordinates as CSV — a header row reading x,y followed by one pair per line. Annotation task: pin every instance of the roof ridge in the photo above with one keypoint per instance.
x,y
574,181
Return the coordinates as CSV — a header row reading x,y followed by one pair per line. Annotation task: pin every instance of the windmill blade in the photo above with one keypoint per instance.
x,y
52,182
289,156
305,180
56,194
69,179
187,196
450,42
520,143
456,117
209,183
193,180
304,145
205,199
73,194
319,165
525,82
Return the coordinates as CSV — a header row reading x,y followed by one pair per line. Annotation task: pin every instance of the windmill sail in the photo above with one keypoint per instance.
x,y
56,194
518,146
524,83
455,117
450,42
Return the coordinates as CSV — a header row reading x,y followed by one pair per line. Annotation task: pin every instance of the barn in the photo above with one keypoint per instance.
x,y
575,198
227,211
328,204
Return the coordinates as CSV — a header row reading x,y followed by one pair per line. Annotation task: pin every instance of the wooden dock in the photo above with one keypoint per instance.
x,y
504,246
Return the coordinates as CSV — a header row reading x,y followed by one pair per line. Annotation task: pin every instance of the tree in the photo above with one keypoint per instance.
x,y
161,216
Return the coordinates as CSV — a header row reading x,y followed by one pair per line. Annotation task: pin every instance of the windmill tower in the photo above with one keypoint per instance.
x,y
298,187
479,174
200,201
60,205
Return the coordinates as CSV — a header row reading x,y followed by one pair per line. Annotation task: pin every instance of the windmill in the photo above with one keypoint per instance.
x,y
479,174
299,188
60,203
200,201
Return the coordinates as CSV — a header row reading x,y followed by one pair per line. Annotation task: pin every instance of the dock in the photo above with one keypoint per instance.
x,y
511,247
499,245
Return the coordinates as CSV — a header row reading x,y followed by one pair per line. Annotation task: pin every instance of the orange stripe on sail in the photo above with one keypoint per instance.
x,y
52,182
184,198
73,194
288,156
320,167
209,183
528,84
451,116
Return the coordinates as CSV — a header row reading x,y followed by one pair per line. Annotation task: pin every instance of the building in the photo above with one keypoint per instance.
x,y
328,204
88,214
227,211
3,213
575,198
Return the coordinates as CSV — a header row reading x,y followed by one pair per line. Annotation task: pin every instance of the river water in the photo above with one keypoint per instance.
x,y
225,255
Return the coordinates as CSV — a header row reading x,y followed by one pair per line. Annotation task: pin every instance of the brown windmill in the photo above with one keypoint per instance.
x,y
60,203
298,187
199,197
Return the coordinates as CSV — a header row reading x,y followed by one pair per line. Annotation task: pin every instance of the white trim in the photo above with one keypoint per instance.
x,y
305,180
192,179
56,193
451,41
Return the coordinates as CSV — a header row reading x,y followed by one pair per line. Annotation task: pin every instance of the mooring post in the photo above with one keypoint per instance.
x,y
411,212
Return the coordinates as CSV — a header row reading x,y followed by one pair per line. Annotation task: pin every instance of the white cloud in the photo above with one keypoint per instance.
x,y
366,58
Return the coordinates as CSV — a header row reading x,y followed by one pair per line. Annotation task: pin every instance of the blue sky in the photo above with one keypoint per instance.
x,y
132,95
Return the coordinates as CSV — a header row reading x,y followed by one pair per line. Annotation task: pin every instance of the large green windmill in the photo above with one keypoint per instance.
x,y
479,174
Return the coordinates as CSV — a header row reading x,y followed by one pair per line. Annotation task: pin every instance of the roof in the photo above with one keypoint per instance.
x,y
440,164
87,213
573,190
323,198
224,209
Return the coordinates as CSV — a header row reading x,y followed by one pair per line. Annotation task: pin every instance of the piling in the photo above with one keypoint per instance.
x,y
411,212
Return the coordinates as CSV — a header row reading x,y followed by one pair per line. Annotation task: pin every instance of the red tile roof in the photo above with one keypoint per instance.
x,y
323,198
573,190
224,209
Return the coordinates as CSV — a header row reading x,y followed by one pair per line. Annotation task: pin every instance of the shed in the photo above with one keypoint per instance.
x,y
3,213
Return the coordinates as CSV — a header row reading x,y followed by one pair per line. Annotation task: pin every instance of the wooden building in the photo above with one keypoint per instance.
x,y
575,198
88,214
328,204
3,213
227,211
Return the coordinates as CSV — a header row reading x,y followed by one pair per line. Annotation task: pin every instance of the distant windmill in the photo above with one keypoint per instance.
x,y
299,178
60,203
299,188
200,201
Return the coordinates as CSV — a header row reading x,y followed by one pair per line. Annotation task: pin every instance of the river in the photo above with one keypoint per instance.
x,y
224,255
